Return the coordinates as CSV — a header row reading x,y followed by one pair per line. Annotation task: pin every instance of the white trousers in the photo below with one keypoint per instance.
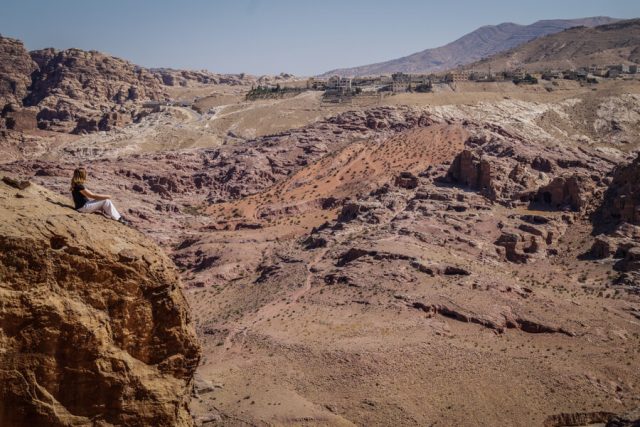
x,y
104,206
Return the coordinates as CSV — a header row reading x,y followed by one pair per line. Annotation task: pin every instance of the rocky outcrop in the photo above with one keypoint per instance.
x,y
617,223
470,170
92,76
622,199
578,419
113,120
526,238
18,119
71,90
94,328
79,86
194,78
366,211
381,118
499,166
628,419
16,67
187,78
567,192
406,180
506,169
623,248
631,260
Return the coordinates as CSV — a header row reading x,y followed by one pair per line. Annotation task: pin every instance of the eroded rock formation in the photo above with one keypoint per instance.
x,y
94,329
75,87
16,67
70,90
622,199
505,169
617,222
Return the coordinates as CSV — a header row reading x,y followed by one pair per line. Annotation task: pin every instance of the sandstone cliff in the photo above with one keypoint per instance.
x,y
83,87
15,71
94,329
185,78
70,90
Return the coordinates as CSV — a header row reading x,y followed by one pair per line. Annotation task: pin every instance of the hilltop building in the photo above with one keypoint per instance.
x,y
457,76
517,74
317,84
400,82
552,74
597,70
339,84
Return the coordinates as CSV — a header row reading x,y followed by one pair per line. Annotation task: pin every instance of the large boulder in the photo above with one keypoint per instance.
x,y
94,329
406,180
567,192
114,120
622,198
19,119
469,169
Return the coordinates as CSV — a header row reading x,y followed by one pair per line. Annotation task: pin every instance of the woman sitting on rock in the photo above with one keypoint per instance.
x,y
88,202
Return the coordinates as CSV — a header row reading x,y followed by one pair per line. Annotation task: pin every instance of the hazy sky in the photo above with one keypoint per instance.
x,y
303,37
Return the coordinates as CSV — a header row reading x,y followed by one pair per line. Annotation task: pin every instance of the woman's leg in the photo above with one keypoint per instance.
x,y
104,206
110,210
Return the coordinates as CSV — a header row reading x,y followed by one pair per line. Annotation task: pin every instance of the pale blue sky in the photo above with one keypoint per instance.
x,y
303,37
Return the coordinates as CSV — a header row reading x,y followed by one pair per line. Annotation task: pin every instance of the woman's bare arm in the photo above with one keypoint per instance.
x,y
94,196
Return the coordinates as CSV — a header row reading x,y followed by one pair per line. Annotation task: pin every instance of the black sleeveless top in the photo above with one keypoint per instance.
x,y
78,198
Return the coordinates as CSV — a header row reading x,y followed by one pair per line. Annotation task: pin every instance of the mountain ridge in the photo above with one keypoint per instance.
x,y
615,43
485,41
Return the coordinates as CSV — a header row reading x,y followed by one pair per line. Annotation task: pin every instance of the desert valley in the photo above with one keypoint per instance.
x,y
395,244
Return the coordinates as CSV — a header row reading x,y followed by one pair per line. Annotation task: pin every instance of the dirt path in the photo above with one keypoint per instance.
x,y
307,283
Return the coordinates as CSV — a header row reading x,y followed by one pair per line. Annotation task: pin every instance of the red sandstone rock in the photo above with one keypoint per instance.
x,y
406,180
622,199
572,191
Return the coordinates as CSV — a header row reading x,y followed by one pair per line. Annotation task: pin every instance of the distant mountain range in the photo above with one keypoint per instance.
x,y
481,43
617,43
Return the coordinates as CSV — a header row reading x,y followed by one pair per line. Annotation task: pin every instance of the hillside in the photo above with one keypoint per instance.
x,y
617,43
485,41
